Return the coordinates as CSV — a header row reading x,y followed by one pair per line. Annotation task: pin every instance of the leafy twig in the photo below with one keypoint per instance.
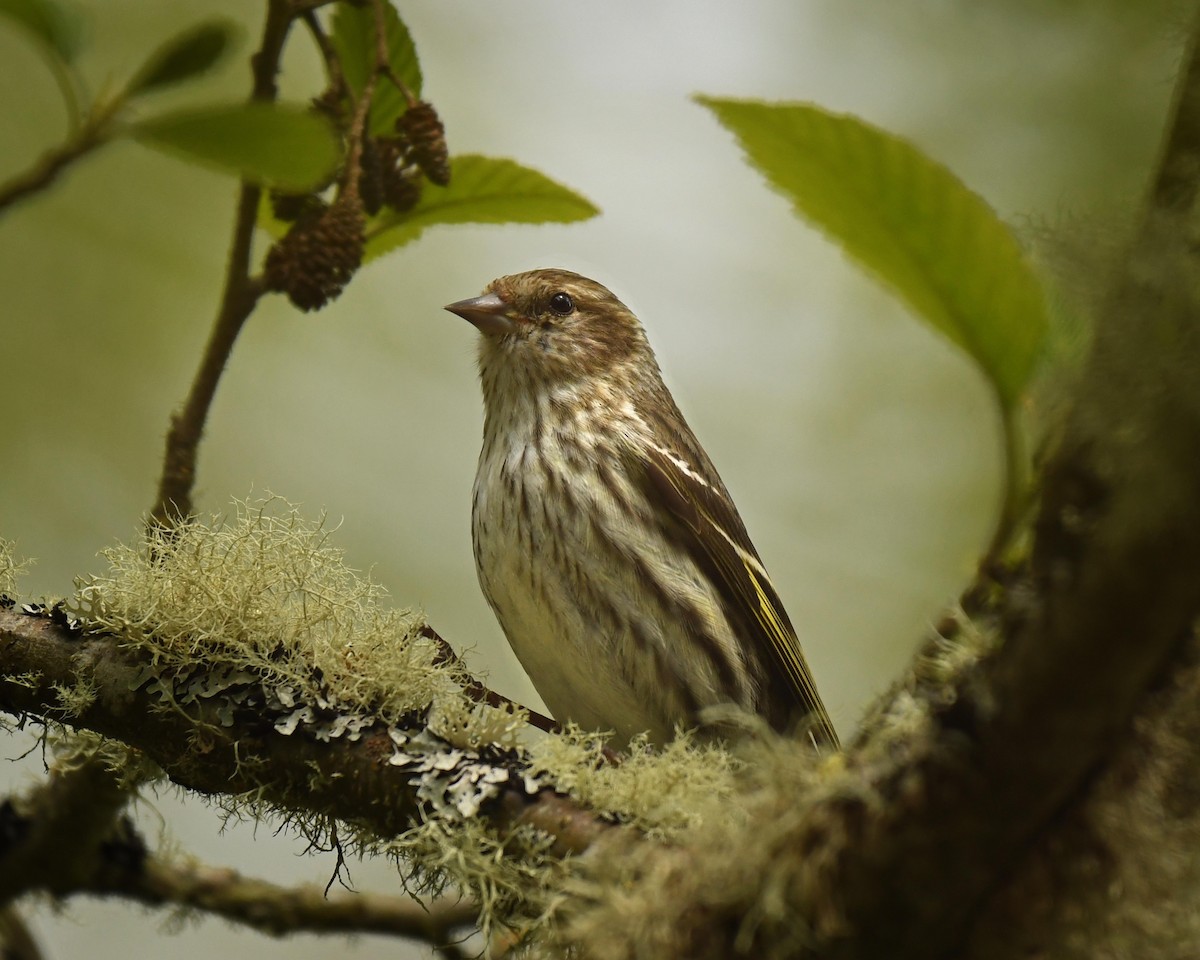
x,y
240,295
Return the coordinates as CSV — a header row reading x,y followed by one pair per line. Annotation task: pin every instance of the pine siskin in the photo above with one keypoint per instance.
x,y
604,539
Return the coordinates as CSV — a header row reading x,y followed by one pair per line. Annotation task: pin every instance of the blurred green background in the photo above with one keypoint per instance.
x,y
862,451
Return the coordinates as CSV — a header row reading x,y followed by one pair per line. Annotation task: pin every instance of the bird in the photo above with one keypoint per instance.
x,y
605,541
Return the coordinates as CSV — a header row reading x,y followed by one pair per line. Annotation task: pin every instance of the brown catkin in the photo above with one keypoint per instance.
x,y
317,257
370,181
423,128
401,190
290,207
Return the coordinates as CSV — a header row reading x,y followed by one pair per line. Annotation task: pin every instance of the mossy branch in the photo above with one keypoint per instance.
x,y
350,780
61,845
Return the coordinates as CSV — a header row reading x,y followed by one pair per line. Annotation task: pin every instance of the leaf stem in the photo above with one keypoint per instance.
x,y
1016,490
67,81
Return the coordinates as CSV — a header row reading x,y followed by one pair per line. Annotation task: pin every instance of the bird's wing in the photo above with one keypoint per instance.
x,y
701,515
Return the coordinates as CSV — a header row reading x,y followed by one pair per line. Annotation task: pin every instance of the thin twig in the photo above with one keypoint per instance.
x,y
329,54
48,168
65,839
383,64
476,691
93,133
362,109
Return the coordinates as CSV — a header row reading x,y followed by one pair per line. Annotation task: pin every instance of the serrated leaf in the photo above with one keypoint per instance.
x,y
481,190
909,221
186,55
276,144
353,37
58,26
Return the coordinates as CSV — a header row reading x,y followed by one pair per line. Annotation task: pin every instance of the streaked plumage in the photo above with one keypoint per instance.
x,y
605,541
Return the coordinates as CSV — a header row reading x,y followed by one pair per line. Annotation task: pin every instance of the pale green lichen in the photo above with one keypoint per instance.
x,y
664,793
77,697
11,568
74,749
263,594
511,876
934,677
642,899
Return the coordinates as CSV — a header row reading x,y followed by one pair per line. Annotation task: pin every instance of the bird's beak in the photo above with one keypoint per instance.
x,y
489,313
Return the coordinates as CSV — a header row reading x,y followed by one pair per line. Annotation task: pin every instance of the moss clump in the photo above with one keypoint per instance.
x,y
10,568
76,749
262,594
665,794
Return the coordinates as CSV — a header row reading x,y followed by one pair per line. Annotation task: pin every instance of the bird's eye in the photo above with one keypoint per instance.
x,y
562,304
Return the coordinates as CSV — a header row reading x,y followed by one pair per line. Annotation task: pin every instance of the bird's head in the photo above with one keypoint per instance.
x,y
555,325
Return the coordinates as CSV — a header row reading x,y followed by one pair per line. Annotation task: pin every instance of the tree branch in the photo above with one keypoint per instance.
x,y
281,911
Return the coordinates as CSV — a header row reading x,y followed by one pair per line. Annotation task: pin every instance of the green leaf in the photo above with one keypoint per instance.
x,y
59,27
908,220
354,39
185,55
481,190
271,143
